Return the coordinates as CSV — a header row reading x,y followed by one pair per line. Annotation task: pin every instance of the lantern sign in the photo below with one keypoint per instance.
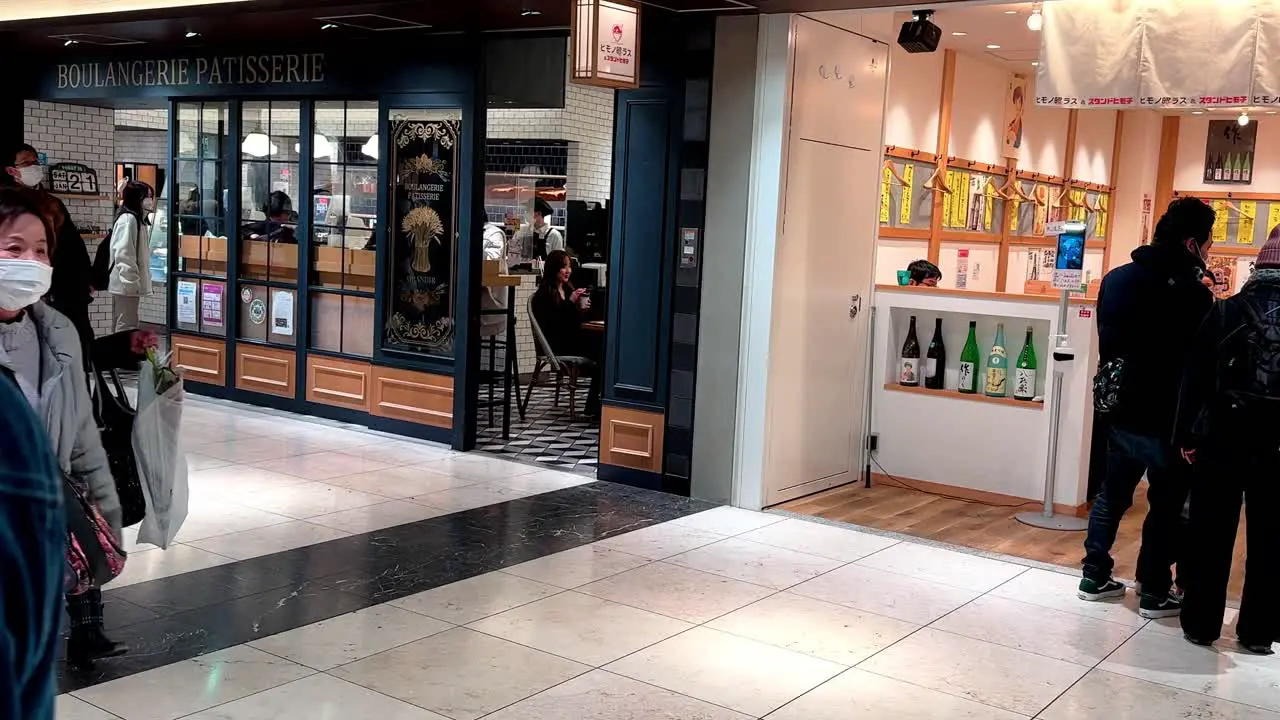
x,y
605,36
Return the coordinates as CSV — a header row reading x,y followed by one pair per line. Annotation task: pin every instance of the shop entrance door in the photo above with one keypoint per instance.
x,y
825,263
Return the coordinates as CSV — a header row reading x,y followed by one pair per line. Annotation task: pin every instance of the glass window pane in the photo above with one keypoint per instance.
x,y
267,314
342,324
330,125
213,130
326,322
422,230
188,129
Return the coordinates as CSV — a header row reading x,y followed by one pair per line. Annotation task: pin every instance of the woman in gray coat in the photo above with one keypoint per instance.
x,y
41,348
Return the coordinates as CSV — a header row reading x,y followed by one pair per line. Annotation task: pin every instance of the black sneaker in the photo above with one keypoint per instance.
x,y
1154,607
1202,642
1263,648
86,646
1093,591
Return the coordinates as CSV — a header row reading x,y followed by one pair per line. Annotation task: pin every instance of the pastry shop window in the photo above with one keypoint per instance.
x,y
198,231
424,154
344,197
268,224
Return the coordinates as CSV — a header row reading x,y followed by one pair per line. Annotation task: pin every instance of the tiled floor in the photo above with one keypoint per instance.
x,y
546,435
713,614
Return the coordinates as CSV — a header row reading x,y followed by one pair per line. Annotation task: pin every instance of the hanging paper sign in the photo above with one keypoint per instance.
x,y
1219,234
885,184
904,209
1248,214
1273,217
1108,54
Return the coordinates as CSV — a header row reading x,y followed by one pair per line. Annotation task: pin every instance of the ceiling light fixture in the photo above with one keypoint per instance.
x,y
192,34
1243,119
1271,112
1035,63
1010,12
1197,112
69,43
530,13
958,33
1035,21
992,46
328,26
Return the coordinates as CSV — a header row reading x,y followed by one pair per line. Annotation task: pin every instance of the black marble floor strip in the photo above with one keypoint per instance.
x,y
177,618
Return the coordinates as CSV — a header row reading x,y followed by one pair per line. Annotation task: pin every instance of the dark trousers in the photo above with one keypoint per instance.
x,y
1129,456
1222,482
85,611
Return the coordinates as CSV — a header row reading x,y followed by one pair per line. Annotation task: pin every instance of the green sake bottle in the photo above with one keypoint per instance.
x,y
969,362
1024,375
997,366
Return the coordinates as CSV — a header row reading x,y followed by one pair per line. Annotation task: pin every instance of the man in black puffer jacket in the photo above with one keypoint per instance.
x,y
1148,313
1227,425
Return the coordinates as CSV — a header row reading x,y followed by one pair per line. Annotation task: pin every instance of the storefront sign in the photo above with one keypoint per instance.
x,y
423,228
182,72
605,37
70,178
1111,54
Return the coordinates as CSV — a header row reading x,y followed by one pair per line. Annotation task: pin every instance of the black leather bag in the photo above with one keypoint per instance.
x,y
115,423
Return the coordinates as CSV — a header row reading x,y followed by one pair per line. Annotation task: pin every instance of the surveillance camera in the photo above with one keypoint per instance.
x,y
919,34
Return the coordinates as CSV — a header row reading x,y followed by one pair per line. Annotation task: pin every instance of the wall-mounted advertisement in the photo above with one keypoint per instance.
x,y
1015,100
1229,151
423,231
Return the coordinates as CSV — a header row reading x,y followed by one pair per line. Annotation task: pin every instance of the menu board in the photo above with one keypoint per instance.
x,y
423,231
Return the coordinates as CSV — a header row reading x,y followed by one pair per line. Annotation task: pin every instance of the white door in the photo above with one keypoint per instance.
x,y
825,265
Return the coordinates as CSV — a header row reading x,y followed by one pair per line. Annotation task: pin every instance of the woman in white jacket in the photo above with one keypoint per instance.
x,y
41,348
130,255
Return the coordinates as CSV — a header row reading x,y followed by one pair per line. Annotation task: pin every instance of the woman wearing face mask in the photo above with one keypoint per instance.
x,y
130,255
41,348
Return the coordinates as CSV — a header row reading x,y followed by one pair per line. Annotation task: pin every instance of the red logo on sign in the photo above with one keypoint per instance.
x,y
617,33
1086,313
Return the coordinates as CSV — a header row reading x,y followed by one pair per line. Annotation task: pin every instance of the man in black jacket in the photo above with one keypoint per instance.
x,y
1227,426
1148,313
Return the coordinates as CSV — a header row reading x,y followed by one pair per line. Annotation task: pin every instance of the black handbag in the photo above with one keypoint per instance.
x,y
115,423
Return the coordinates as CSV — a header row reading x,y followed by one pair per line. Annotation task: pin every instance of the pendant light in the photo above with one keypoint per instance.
x,y
258,145
370,147
1035,21
1243,120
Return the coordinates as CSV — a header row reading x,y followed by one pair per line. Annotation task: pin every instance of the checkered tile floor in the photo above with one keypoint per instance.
x,y
546,436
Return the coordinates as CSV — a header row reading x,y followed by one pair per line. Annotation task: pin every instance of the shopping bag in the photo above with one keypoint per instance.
x,y
115,424
162,466
94,554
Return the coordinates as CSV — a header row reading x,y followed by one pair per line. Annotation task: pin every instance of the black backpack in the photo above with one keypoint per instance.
x,y
100,274
1249,379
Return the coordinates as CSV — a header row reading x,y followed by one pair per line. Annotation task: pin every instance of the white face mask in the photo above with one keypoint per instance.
x,y
23,282
31,175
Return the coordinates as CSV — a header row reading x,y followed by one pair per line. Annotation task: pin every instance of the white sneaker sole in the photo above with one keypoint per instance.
x,y
1159,614
1099,597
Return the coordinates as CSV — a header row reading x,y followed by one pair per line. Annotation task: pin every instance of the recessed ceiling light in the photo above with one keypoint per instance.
x,y
992,46
1197,112
957,33
530,13
192,34
1271,112
1035,63
1010,12
328,26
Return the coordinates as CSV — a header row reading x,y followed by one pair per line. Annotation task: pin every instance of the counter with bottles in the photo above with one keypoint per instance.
x,y
963,402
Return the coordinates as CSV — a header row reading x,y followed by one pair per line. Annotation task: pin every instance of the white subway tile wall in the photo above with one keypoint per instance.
x,y
75,133
149,119
145,146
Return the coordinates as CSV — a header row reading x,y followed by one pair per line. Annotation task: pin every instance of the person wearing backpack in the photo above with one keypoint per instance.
x,y
1148,314
130,259
1228,421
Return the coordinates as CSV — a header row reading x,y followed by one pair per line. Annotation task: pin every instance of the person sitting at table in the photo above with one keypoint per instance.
x,y
274,229
923,272
560,311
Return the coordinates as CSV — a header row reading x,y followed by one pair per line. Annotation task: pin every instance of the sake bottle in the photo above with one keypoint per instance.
x,y
935,362
909,360
1235,167
1246,168
1024,376
997,366
969,362
1217,169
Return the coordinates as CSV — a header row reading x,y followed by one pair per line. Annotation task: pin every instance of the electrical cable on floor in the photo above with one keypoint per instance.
x,y
969,501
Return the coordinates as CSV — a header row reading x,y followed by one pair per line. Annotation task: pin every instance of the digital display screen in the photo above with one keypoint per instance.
x,y
1071,248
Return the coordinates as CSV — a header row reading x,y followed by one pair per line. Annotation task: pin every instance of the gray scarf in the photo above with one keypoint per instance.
x,y
1267,275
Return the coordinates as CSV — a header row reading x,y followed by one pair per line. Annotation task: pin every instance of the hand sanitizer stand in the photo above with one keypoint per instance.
x,y
1064,280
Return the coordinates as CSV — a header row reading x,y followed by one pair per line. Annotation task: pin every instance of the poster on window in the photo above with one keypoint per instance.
x,y
1228,152
423,231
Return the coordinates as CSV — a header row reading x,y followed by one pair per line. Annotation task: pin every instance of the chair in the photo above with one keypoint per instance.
x,y
564,366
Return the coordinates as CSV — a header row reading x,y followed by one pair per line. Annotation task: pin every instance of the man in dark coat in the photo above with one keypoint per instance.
x,y
1148,313
1227,421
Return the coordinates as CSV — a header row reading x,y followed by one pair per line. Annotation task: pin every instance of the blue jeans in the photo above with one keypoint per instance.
x,y
1129,456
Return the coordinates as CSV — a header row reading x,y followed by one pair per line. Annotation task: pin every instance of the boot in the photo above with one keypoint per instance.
x,y
89,643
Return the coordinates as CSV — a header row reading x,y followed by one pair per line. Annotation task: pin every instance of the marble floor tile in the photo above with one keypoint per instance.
x,y
401,452
477,597
471,496
69,707
354,636
267,540
156,563
257,449
729,520
743,675
945,567
230,481
579,566
1102,693
376,517
401,482
765,565
580,627
678,592
319,697
209,518
177,690
661,541
546,481
461,673
477,467
601,695
858,694
884,593
1036,629
197,462
131,544
1058,591
1221,671
324,465
307,500
813,627
828,541
991,674
1173,625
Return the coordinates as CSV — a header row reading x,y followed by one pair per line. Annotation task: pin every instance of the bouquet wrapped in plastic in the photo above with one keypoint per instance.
x,y
157,443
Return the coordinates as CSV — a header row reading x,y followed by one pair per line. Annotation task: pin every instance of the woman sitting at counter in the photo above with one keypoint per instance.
x,y
560,311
